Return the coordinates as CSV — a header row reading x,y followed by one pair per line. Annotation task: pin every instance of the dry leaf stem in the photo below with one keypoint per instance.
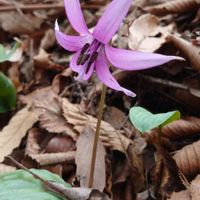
x,y
96,138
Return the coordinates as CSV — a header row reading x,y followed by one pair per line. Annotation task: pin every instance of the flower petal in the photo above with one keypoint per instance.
x,y
81,69
111,20
105,76
75,16
71,43
134,60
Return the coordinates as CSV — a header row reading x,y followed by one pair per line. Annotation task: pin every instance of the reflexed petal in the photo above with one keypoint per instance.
x,y
111,20
71,43
75,16
105,76
134,60
81,69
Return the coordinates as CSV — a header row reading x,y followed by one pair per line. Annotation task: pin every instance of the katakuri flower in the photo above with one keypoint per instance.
x,y
93,52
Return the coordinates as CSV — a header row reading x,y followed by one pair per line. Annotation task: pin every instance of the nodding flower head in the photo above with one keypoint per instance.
x,y
92,50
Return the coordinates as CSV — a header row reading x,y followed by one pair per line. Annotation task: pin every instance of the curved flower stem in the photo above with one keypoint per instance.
x,y
96,138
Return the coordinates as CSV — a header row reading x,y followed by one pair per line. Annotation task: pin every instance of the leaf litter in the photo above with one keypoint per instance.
x,y
49,127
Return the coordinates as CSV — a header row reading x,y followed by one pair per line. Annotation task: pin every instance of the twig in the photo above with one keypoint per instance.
x,y
30,7
96,138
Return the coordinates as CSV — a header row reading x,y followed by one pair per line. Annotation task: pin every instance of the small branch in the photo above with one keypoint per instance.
x,y
30,7
96,138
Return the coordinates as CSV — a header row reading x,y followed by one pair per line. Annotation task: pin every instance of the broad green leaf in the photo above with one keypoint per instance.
x,y
5,56
21,185
7,94
143,120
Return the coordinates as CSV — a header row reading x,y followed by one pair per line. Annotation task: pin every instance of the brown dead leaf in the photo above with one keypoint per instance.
x,y
83,160
192,52
12,134
187,159
183,195
47,105
16,23
176,6
150,36
6,168
187,126
109,136
54,158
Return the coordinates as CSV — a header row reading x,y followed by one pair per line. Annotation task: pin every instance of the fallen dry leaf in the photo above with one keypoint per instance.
x,y
47,105
48,40
176,6
192,52
83,160
187,159
12,134
150,36
108,135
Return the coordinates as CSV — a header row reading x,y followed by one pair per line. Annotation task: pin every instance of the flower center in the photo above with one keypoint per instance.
x,y
89,54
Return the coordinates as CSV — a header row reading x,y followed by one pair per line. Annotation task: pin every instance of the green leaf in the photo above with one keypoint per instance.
x,y
7,94
143,120
22,185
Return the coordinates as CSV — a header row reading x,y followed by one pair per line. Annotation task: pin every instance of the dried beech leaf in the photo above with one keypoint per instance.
x,y
145,38
195,188
187,159
12,134
109,136
16,23
176,6
83,160
54,158
183,195
182,128
6,168
192,52
47,105
32,146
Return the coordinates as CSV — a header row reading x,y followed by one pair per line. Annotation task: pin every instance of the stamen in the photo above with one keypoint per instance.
x,y
93,57
84,58
85,48
79,60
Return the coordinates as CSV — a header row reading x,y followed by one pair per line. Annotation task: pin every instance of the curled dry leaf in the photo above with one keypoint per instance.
x,y
183,195
110,137
176,6
83,160
187,159
150,36
6,168
192,52
182,128
48,40
12,134
54,158
16,23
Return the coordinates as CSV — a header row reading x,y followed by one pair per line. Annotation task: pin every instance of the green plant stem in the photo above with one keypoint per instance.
x,y
96,138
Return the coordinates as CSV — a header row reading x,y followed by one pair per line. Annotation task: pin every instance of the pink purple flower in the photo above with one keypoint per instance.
x,y
92,50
